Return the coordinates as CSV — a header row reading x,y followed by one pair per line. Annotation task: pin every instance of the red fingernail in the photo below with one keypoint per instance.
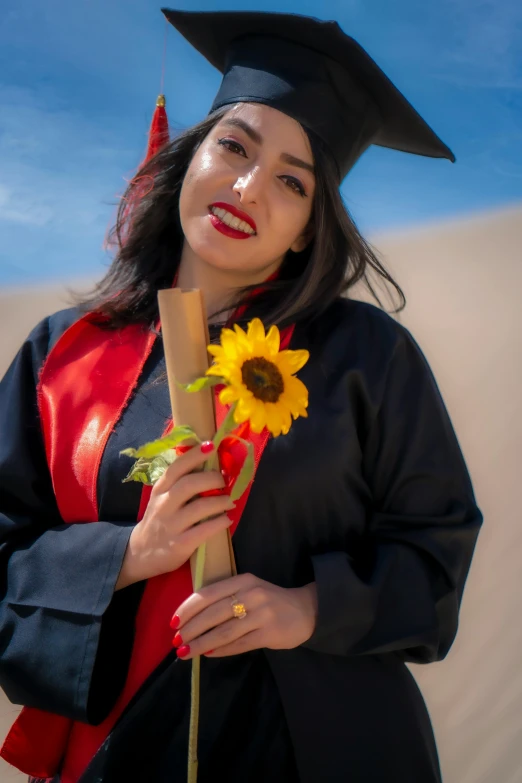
x,y
207,447
177,641
174,623
183,651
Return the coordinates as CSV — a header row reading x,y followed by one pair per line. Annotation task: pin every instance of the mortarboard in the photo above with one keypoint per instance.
x,y
312,71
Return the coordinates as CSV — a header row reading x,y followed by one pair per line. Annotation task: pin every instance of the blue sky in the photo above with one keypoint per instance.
x,y
78,83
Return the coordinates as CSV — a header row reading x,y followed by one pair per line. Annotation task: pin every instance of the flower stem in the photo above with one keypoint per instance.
x,y
192,772
212,463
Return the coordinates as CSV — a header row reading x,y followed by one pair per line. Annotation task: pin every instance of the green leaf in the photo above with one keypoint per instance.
x,y
148,471
158,466
202,383
170,456
245,474
139,472
128,452
227,425
170,441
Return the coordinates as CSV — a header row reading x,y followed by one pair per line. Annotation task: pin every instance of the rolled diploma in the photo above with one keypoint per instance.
x,y
185,338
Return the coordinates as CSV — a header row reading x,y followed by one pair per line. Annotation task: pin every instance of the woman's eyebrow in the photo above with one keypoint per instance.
x,y
236,122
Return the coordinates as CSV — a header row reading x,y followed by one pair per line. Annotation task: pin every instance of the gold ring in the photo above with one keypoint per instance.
x,y
238,608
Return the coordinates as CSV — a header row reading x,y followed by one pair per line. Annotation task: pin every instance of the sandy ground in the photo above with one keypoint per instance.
x,y
463,281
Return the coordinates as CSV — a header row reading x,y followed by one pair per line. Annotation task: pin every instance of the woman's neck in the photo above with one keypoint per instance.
x,y
219,287
216,290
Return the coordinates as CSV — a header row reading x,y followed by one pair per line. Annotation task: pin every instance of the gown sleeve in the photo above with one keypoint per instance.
x,y
63,634
420,533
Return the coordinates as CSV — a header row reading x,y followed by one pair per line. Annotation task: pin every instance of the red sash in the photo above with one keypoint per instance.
x,y
85,383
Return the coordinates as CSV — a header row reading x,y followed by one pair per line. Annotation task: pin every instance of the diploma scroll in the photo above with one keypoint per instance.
x,y
185,338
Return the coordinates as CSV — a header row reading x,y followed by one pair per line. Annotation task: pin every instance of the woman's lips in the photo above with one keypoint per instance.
x,y
236,212
228,231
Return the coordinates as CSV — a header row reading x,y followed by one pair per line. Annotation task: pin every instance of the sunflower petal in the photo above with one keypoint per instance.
x,y
286,420
242,339
273,340
228,395
258,417
256,331
229,343
293,360
235,377
239,415
296,390
242,391
216,351
273,419
244,409
295,408
218,369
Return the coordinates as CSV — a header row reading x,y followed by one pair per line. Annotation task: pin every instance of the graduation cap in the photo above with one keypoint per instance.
x,y
312,71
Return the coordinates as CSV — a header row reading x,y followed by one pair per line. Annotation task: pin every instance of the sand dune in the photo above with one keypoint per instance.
x,y
463,281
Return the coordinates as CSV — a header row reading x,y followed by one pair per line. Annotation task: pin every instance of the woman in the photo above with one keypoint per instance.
x,y
358,534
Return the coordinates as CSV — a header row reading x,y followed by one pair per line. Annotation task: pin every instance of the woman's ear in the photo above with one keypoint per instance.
x,y
304,240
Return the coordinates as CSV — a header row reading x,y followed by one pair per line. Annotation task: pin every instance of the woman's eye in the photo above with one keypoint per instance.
x,y
291,182
228,144
295,185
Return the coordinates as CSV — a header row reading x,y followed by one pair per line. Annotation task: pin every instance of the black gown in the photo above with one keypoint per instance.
x,y
369,497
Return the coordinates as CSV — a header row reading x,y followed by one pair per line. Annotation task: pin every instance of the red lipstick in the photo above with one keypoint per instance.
x,y
228,231
236,212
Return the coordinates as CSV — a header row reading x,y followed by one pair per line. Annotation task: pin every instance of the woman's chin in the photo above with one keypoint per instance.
x,y
225,264
223,253
218,254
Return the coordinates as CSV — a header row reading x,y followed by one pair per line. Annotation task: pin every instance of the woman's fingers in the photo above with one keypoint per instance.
x,y
194,536
250,641
186,463
205,621
276,617
202,509
224,634
209,618
211,594
190,486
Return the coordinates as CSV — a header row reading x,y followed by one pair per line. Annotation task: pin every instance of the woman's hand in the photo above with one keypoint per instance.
x,y
169,532
276,617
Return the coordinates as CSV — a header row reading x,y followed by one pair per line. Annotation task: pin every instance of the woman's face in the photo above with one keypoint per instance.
x,y
256,165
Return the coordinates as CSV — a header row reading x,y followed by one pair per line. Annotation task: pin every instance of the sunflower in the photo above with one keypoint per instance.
x,y
260,378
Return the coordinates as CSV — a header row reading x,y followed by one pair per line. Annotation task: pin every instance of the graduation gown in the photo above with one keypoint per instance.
x,y
369,497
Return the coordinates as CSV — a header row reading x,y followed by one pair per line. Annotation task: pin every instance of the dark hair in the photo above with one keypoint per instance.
x,y
148,239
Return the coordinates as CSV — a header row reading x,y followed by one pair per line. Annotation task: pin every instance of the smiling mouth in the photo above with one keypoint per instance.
x,y
233,222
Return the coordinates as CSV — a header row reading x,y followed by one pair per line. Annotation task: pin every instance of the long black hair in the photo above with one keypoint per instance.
x,y
148,239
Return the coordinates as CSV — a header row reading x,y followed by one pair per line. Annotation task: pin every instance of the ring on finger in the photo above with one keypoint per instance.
x,y
238,609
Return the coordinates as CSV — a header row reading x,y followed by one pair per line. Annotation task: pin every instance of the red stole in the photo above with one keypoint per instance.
x,y
85,383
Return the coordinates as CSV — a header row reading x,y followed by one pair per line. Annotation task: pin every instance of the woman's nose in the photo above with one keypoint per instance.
x,y
250,185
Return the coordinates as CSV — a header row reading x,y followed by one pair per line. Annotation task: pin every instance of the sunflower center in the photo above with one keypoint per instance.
x,y
263,379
